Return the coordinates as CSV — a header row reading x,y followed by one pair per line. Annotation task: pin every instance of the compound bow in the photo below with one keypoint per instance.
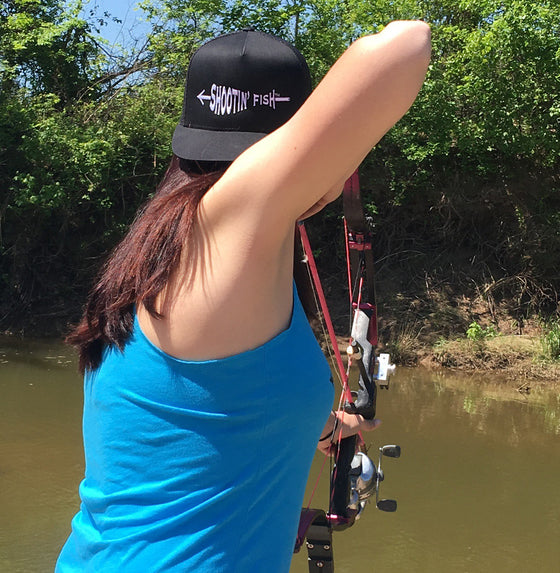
x,y
354,478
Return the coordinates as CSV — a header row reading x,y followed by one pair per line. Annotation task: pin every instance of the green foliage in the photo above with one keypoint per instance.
x,y
179,27
85,131
80,150
550,341
476,333
491,95
46,47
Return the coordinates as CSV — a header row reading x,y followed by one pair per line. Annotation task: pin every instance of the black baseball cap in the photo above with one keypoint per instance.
x,y
240,87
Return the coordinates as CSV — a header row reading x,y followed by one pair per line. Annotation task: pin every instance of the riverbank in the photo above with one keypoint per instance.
x,y
471,337
514,361
519,361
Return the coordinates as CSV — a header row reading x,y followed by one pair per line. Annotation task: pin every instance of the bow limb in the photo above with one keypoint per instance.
x,y
361,289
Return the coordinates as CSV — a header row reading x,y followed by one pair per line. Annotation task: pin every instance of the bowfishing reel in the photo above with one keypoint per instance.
x,y
365,479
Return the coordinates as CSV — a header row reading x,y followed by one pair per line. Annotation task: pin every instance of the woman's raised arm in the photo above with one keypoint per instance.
x,y
303,164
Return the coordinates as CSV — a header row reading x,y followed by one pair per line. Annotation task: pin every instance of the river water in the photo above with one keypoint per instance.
x,y
478,482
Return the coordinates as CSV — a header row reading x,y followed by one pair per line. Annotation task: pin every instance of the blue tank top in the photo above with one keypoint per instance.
x,y
198,465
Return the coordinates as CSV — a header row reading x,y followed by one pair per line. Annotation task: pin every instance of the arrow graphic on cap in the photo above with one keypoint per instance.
x,y
203,97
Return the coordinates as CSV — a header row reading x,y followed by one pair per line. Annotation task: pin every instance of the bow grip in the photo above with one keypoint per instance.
x,y
340,485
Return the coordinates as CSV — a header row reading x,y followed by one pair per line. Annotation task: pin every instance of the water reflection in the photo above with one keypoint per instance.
x,y
40,452
477,484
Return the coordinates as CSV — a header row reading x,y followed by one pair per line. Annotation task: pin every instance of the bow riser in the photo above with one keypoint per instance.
x,y
362,356
361,353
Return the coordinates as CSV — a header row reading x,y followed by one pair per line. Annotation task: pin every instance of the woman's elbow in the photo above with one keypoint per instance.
x,y
416,35
423,39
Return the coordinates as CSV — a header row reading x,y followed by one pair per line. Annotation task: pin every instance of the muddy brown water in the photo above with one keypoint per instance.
x,y
478,483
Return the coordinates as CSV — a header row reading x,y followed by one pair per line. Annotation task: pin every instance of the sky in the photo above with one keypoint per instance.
x,y
132,27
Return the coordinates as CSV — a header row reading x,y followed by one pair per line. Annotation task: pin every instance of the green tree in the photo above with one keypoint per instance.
x,y
80,147
45,47
471,171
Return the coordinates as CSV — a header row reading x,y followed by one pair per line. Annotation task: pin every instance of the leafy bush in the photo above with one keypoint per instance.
x,y
550,341
476,333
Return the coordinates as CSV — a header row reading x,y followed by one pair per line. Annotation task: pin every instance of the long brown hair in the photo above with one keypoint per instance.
x,y
139,268
141,265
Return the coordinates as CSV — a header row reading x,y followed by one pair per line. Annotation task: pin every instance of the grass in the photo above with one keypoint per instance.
x,y
550,341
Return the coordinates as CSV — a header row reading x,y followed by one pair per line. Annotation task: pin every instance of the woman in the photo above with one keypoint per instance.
x,y
205,392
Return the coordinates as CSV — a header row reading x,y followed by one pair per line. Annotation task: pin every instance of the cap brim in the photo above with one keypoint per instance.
x,y
207,145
